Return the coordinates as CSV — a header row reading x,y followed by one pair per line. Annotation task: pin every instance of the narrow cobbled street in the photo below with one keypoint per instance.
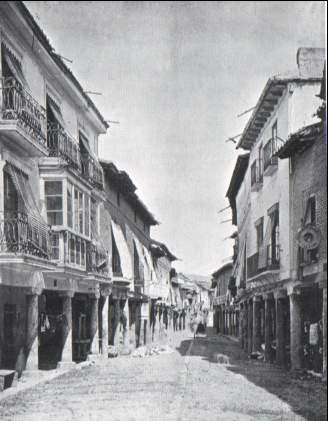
x,y
189,383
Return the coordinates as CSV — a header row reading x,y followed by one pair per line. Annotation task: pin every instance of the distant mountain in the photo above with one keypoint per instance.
x,y
200,279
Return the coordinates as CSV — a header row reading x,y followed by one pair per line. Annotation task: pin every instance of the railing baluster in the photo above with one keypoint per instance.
x,y
19,105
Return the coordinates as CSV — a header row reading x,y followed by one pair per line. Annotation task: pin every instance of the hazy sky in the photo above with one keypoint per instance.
x,y
176,74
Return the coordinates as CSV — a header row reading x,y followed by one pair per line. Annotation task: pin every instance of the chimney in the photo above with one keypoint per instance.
x,y
310,61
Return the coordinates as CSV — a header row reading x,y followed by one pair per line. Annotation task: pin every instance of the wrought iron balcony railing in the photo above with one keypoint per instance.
x,y
18,105
272,261
92,171
61,145
18,234
97,260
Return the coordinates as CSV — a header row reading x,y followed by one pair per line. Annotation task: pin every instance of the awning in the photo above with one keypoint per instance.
x,y
40,229
153,277
14,65
89,150
55,111
141,256
123,250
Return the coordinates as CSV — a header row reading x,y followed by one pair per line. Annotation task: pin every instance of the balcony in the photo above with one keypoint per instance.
x,y
272,262
62,145
256,177
19,235
219,300
22,120
270,157
92,171
97,260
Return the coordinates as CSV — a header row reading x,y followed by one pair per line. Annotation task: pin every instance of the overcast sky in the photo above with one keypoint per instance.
x,y
175,75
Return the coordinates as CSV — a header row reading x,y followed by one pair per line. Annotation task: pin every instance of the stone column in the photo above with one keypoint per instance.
x,y
268,333
296,330
132,325
280,328
126,333
67,345
324,328
116,324
224,318
230,322
238,323
256,324
104,326
250,327
241,324
32,324
144,324
138,324
245,326
94,331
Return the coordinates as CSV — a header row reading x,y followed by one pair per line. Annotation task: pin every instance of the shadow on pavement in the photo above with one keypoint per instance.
x,y
307,396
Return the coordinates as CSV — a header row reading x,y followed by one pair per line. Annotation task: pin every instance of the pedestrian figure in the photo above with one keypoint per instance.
x,y
195,321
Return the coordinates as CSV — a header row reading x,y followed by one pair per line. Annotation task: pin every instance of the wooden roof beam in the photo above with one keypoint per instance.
x,y
264,114
260,119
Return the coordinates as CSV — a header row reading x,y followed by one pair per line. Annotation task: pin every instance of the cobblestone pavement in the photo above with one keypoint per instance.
x,y
188,384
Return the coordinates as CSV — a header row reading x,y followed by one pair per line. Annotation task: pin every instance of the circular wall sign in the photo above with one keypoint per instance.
x,y
309,237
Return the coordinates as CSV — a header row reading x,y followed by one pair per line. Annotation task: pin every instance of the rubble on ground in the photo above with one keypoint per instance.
x,y
144,351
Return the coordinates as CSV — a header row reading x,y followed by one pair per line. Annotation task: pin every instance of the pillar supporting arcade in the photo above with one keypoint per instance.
x,y
67,345
268,330
32,325
280,297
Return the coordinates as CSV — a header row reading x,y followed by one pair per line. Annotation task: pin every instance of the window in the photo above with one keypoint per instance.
x,y
11,202
253,173
274,248
260,162
55,246
81,212
311,217
72,249
87,215
78,252
259,233
54,202
118,199
94,219
83,253
69,204
76,210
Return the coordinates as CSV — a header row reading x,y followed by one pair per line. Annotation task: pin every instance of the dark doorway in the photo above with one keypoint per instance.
x,y
50,330
81,327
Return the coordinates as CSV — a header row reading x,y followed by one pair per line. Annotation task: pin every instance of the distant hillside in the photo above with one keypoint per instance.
x,y
201,279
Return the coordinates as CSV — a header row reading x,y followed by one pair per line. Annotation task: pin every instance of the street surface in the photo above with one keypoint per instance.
x,y
188,384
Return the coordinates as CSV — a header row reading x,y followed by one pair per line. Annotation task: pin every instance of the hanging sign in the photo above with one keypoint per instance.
x,y
309,237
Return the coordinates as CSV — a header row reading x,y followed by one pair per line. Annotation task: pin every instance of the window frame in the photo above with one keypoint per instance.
x,y
46,196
